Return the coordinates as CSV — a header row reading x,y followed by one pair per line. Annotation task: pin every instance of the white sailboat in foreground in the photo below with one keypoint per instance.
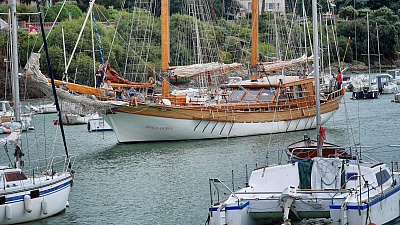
x,y
43,191
347,191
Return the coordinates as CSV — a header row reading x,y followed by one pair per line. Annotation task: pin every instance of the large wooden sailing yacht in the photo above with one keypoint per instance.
x,y
262,105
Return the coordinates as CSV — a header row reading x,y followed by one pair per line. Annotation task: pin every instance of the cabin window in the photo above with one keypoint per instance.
x,y
237,95
382,176
35,194
228,91
351,176
15,176
271,6
251,95
267,94
297,91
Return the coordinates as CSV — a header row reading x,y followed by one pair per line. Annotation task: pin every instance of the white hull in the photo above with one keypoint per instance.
x,y
75,119
331,180
11,125
44,109
381,210
390,90
141,128
54,191
7,119
98,125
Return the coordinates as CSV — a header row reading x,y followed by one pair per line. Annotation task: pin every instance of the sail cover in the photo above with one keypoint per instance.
x,y
197,69
274,66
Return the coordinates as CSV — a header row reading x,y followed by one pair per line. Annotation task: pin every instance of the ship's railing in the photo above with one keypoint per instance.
x,y
213,186
50,166
67,162
334,95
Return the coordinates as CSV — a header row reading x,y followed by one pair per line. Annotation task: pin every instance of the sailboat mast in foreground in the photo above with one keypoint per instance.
x,y
44,191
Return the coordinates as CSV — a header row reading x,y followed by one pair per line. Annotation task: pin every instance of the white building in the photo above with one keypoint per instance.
x,y
270,5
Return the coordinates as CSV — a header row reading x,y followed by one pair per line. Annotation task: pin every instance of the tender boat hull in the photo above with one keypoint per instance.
x,y
365,95
98,125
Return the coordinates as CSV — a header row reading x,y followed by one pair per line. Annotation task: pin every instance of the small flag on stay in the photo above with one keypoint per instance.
x,y
33,30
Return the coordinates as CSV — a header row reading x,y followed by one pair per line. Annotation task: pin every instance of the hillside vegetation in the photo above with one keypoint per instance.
x,y
352,23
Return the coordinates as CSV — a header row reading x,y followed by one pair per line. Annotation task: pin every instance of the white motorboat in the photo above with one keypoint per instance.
x,y
395,74
8,120
43,108
374,198
76,119
385,84
98,125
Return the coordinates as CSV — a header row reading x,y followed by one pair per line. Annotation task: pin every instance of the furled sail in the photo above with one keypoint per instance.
x,y
32,69
274,66
197,69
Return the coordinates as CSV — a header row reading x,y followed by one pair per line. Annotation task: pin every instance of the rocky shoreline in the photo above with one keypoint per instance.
x,y
360,67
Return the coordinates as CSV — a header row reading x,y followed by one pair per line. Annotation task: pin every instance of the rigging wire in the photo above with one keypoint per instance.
x,y
115,32
52,80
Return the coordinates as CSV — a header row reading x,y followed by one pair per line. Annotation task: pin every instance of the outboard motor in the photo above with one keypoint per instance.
x,y
350,87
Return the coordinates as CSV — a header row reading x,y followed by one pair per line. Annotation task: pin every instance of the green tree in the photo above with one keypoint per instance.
x,y
348,12
385,14
374,5
107,3
75,11
55,10
22,11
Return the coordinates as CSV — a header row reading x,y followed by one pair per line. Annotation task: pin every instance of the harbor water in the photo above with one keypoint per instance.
x,y
167,182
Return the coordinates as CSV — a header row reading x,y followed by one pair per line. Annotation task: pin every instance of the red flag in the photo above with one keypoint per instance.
x,y
322,133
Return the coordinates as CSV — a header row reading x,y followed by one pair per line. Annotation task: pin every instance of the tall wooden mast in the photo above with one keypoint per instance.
x,y
165,46
254,38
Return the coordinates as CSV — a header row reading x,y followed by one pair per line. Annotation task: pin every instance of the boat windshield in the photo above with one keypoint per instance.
x,y
251,95
237,95
15,176
382,177
267,94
